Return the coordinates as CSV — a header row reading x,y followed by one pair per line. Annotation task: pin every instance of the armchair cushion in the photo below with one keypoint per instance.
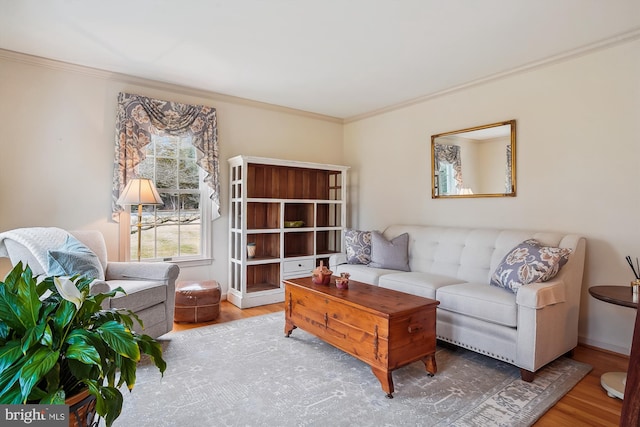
x,y
74,258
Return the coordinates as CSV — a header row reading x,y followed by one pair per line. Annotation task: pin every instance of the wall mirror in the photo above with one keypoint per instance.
x,y
475,162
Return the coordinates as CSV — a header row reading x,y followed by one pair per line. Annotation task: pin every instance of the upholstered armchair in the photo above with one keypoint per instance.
x,y
149,286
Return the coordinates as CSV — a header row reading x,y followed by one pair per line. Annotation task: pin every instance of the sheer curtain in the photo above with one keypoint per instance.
x,y
139,117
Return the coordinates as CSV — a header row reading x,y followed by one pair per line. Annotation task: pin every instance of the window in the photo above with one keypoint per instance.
x,y
446,178
176,146
175,230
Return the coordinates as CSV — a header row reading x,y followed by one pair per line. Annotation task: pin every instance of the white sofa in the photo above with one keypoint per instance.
x,y
528,329
149,286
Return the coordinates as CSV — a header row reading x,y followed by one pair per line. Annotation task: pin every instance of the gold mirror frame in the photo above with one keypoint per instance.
x,y
476,136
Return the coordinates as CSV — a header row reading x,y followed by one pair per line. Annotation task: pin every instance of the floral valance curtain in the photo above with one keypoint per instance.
x,y
140,117
450,154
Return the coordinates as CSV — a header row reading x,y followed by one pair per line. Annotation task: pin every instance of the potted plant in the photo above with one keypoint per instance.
x,y
56,341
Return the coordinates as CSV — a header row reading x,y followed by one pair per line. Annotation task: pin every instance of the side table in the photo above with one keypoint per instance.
x,y
614,382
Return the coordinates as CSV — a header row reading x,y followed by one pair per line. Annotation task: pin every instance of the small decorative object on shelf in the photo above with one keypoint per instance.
x,y
321,275
636,272
293,224
251,250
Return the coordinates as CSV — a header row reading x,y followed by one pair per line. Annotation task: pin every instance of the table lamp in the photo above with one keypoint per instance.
x,y
139,191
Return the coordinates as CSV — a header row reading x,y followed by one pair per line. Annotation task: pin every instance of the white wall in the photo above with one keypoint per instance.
x,y
57,127
578,150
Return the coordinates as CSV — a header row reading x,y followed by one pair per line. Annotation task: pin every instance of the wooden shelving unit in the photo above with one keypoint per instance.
x,y
265,195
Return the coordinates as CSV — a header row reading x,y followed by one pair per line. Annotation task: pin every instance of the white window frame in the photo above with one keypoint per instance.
x,y
205,258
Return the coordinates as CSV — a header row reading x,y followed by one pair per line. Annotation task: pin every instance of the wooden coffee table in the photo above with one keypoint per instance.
x,y
384,328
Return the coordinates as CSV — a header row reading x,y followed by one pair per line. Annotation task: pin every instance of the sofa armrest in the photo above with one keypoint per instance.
x,y
337,259
163,271
540,295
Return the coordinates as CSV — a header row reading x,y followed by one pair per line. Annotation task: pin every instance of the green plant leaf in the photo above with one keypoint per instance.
x,y
36,367
4,331
55,398
85,353
32,336
9,353
128,373
63,315
153,348
19,302
10,377
113,404
12,396
47,336
53,378
120,340
8,311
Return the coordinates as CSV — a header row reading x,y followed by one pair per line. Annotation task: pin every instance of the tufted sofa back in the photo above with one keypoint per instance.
x,y
466,253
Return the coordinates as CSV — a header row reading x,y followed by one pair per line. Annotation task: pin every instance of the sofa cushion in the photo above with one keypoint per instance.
x,y
416,283
358,246
529,262
74,258
391,254
362,273
141,294
481,301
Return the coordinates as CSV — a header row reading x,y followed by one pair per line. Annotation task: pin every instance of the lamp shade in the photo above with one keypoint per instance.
x,y
139,191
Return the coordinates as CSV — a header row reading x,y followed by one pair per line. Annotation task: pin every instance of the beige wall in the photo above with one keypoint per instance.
x,y
578,150
57,146
578,146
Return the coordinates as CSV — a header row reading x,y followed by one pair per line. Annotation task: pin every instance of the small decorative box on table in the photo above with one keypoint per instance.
x,y
197,301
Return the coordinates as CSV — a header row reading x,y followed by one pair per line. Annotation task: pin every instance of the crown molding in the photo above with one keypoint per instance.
x,y
54,64
603,44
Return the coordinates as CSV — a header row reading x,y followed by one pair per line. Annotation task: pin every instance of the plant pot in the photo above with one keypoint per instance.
x,y
82,410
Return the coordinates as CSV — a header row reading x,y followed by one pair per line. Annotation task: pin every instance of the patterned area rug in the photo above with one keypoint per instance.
x,y
246,373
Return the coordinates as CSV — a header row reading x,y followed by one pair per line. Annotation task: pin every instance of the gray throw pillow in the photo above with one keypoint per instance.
x,y
358,246
529,262
74,258
393,254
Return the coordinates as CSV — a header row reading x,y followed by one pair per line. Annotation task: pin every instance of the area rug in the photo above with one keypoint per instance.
x,y
247,373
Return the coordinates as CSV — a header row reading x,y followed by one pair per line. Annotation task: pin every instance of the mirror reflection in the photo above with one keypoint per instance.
x,y
475,162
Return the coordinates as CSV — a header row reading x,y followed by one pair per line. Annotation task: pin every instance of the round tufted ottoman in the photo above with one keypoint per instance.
x,y
197,301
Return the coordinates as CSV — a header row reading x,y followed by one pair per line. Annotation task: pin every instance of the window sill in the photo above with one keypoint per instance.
x,y
191,262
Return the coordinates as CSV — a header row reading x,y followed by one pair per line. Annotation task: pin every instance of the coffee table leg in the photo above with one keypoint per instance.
x,y
385,380
288,328
430,364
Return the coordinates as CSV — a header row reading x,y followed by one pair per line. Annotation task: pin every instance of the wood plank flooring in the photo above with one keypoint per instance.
x,y
587,404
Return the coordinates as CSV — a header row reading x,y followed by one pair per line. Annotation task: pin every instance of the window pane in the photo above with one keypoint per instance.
x,y
186,150
165,146
166,173
168,240
188,174
190,239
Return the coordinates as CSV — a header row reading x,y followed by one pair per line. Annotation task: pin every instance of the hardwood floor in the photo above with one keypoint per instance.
x,y
587,404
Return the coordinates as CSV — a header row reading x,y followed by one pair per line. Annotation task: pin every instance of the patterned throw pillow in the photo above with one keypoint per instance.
x,y
529,262
358,246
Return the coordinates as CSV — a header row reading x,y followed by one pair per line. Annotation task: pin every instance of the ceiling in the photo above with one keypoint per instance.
x,y
341,58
